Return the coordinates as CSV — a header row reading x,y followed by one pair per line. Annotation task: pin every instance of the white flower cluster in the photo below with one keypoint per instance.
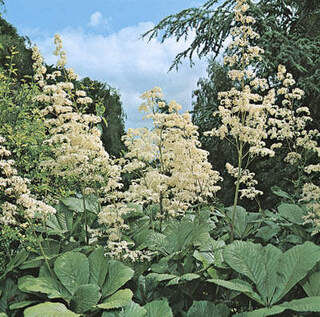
x,y
120,250
171,169
78,156
78,152
247,178
251,113
311,196
15,197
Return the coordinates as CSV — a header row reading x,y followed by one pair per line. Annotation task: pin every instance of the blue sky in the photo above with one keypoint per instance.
x,y
101,38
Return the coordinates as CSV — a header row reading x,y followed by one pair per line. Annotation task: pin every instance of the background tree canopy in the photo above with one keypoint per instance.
x,y
10,40
289,34
109,106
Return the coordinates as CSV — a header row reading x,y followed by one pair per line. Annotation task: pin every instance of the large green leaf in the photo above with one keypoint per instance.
x,y
292,213
22,304
85,297
312,284
185,233
9,290
256,262
156,277
72,269
158,308
273,273
279,192
246,258
240,286
240,220
76,204
98,265
178,235
307,304
118,275
235,285
45,273
130,310
119,299
211,253
268,232
50,247
48,309
263,312
208,309
133,310
17,260
61,221
44,285
293,266
267,286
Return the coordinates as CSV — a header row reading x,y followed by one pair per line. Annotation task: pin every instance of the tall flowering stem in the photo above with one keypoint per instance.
x,y
252,113
171,170
243,111
79,159
19,209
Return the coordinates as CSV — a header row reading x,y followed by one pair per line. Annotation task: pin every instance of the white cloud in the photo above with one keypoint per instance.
x,y
129,64
97,19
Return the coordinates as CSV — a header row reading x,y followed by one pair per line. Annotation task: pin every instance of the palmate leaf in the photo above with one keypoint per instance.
x,y
158,308
119,299
62,221
22,304
76,204
72,269
98,265
130,310
48,309
240,221
45,273
185,233
292,213
312,284
85,297
44,285
240,286
118,275
307,304
208,309
256,262
293,266
8,290
272,272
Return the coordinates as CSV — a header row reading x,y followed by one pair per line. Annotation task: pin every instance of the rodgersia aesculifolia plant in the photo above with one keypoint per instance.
x,y
18,207
78,153
78,156
170,168
256,118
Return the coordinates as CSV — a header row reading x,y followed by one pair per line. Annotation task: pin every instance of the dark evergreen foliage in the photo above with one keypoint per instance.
x,y
10,40
290,35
